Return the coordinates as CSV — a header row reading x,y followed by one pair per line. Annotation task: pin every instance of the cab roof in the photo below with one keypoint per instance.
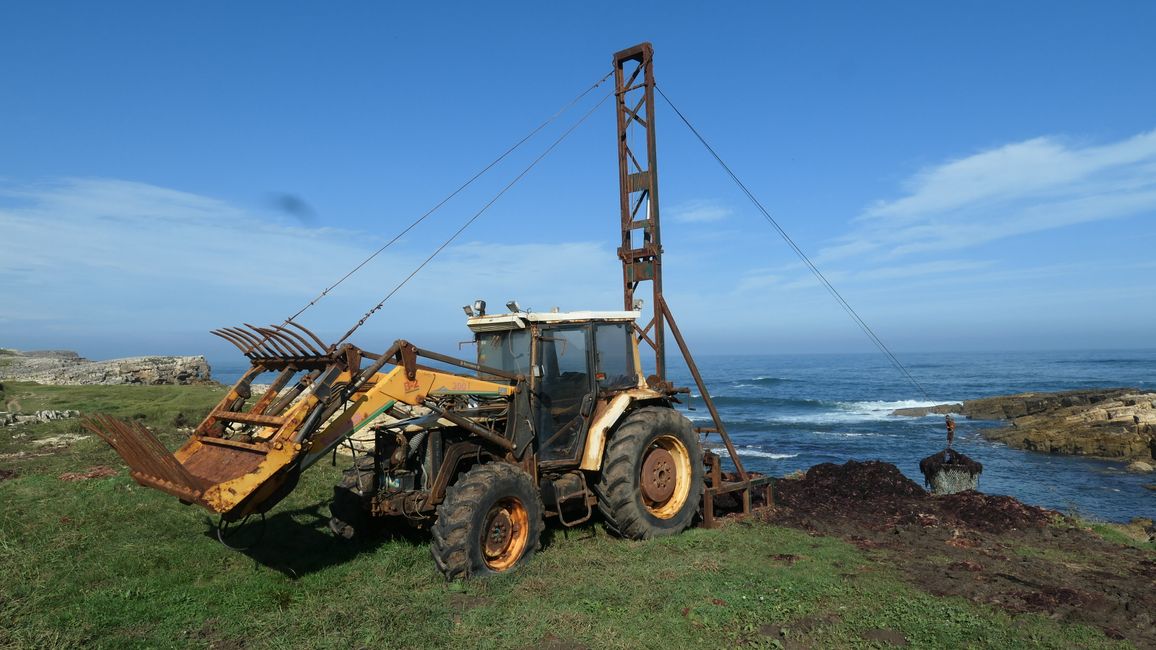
x,y
519,320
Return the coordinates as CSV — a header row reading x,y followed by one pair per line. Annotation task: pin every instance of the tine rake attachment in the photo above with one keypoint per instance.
x,y
152,464
277,346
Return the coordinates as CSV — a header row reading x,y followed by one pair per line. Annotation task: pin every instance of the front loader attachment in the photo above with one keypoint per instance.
x,y
249,451
243,459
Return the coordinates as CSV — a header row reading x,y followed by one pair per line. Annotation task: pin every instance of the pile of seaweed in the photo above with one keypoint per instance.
x,y
948,459
877,495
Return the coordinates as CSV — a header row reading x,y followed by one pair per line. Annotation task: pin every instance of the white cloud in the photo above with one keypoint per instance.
x,y
698,211
131,257
1016,189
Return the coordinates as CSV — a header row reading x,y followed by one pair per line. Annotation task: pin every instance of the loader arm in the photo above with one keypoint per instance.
x,y
240,462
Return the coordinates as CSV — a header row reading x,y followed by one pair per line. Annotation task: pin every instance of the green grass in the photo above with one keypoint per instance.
x,y
106,563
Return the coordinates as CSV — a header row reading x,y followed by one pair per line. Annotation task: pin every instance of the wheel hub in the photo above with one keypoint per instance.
x,y
658,476
499,533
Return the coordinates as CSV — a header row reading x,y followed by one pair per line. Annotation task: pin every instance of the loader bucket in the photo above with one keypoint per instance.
x,y
247,453
229,478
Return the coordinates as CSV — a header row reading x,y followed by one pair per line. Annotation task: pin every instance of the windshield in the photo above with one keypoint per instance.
x,y
509,351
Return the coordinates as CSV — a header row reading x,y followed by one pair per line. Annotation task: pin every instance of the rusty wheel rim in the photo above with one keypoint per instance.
x,y
505,534
658,476
664,477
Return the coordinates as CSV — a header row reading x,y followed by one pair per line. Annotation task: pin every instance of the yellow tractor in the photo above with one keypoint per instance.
x,y
556,417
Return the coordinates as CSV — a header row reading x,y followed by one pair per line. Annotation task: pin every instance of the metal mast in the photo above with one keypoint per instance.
x,y
641,250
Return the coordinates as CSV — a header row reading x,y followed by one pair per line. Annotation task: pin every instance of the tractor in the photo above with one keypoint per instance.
x,y
556,417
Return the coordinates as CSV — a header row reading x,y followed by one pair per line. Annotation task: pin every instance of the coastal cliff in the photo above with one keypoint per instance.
x,y
1115,423
64,367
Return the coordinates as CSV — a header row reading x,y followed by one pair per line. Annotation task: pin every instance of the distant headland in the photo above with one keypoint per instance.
x,y
65,367
1113,423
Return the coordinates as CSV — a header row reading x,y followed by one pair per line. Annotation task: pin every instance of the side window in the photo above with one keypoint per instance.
x,y
508,351
614,365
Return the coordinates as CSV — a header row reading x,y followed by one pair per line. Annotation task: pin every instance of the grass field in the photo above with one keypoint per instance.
x,y
103,562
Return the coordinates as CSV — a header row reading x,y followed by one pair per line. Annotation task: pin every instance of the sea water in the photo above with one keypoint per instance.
x,y
790,412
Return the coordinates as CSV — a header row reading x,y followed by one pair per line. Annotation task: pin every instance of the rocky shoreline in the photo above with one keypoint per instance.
x,y
1115,423
64,367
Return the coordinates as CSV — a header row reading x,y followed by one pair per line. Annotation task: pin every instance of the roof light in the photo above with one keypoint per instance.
x,y
480,307
512,305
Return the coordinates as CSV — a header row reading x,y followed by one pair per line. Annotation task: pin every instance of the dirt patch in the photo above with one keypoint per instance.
x,y
989,549
885,636
209,635
6,474
792,636
99,471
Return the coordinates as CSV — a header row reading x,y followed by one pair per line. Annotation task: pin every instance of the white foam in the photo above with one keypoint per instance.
x,y
846,412
764,454
749,450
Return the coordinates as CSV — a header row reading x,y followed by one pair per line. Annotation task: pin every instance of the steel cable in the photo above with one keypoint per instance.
x,y
474,218
445,200
799,251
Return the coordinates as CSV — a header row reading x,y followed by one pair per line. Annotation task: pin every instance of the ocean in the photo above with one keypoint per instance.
x,y
789,412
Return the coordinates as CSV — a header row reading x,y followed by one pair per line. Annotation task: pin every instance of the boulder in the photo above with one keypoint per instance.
x,y
1139,466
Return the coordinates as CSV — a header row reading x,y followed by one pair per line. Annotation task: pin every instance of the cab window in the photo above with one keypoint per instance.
x,y
614,363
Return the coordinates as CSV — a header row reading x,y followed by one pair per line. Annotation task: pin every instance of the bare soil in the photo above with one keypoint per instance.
x,y
100,471
992,550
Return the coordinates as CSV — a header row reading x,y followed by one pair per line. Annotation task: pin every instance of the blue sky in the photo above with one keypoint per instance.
x,y
971,176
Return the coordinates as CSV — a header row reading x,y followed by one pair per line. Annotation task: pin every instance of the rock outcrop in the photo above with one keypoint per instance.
x,y
7,418
64,367
1116,423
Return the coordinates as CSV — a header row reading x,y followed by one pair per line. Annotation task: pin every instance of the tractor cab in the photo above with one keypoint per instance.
x,y
570,359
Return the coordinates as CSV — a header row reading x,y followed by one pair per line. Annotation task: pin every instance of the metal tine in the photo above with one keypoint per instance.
x,y
291,348
144,453
166,458
254,342
285,341
320,343
269,341
243,344
143,456
121,438
300,339
275,341
234,340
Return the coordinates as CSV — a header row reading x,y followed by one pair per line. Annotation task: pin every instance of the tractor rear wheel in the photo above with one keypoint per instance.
x,y
490,522
652,475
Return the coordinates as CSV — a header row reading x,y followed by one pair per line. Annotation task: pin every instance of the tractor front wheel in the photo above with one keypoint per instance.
x,y
652,475
490,522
